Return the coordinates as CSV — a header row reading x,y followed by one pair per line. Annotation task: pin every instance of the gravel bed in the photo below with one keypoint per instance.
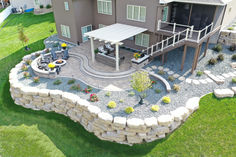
x,y
143,111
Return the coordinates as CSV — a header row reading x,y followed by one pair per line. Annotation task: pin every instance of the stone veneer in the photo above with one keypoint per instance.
x,y
103,125
227,37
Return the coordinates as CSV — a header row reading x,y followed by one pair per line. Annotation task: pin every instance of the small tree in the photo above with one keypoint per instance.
x,y
22,37
141,82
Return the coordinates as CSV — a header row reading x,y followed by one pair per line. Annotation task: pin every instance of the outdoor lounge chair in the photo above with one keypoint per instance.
x,y
65,54
102,50
109,47
54,55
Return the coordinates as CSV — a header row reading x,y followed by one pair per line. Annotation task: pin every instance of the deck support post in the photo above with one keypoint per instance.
x,y
183,57
195,58
206,47
92,49
199,50
117,57
163,59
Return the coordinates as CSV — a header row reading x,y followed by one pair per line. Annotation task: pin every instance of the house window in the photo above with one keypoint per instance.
x,y
101,26
165,14
136,13
104,7
65,31
66,6
36,2
142,40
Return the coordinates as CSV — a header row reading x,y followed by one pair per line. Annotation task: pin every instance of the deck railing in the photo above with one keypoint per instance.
x,y
169,42
187,34
162,24
202,33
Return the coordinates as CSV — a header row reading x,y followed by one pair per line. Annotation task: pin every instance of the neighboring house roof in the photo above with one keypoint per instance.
x,y
208,2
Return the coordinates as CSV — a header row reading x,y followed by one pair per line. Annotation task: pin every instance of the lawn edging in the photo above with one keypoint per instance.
x,y
103,125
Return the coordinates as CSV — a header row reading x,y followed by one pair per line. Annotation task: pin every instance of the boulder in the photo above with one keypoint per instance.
x,y
165,119
223,93
192,104
180,113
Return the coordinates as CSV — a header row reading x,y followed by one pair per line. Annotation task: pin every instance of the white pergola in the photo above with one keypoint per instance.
x,y
113,34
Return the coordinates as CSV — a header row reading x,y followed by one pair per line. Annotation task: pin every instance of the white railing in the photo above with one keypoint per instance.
x,y
162,24
184,35
169,42
5,13
202,33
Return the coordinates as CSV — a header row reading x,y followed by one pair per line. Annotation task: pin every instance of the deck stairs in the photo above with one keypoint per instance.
x,y
178,38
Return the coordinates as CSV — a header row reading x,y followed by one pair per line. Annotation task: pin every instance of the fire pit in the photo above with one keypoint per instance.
x,y
60,62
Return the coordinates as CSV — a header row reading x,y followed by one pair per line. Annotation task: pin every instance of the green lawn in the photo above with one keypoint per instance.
x,y
28,141
36,28
209,132
1,10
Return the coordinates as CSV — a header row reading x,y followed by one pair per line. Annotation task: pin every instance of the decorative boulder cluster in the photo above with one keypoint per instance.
x,y
93,119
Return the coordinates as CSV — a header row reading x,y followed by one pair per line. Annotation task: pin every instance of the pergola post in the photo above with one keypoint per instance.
x,y
117,57
200,47
92,49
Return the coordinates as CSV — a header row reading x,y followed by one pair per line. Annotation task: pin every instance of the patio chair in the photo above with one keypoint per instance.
x,y
102,50
54,55
65,54
109,47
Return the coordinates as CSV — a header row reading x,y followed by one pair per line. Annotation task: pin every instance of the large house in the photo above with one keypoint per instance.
x,y
164,21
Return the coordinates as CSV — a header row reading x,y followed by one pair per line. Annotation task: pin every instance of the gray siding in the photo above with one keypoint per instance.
x,y
63,17
151,12
103,18
230,13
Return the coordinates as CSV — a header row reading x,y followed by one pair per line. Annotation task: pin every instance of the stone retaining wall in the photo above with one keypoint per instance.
x,y
103,125
227,37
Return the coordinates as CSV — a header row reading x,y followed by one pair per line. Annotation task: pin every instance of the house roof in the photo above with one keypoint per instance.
x,y
207,2
115,33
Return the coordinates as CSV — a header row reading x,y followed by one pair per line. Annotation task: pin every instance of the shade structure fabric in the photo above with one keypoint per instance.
x,y
115,33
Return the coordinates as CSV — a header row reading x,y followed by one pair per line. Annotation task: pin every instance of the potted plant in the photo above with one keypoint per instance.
x,y
137,56
51,66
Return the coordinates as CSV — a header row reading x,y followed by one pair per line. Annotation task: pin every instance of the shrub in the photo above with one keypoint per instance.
x,y
161,72
51,30
231,28
234,57
96,51
121,101
111,104
232,47
28,62
131,93
155,108
157,91
171,78
75,87
71,81
234,80
48,6
24,67
199,73
212,61
26,75
108,94
129,110
166,100
47,51
36,79
176,87
93,98
41,6
154,82
57,82
88,89
220,57
217,48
